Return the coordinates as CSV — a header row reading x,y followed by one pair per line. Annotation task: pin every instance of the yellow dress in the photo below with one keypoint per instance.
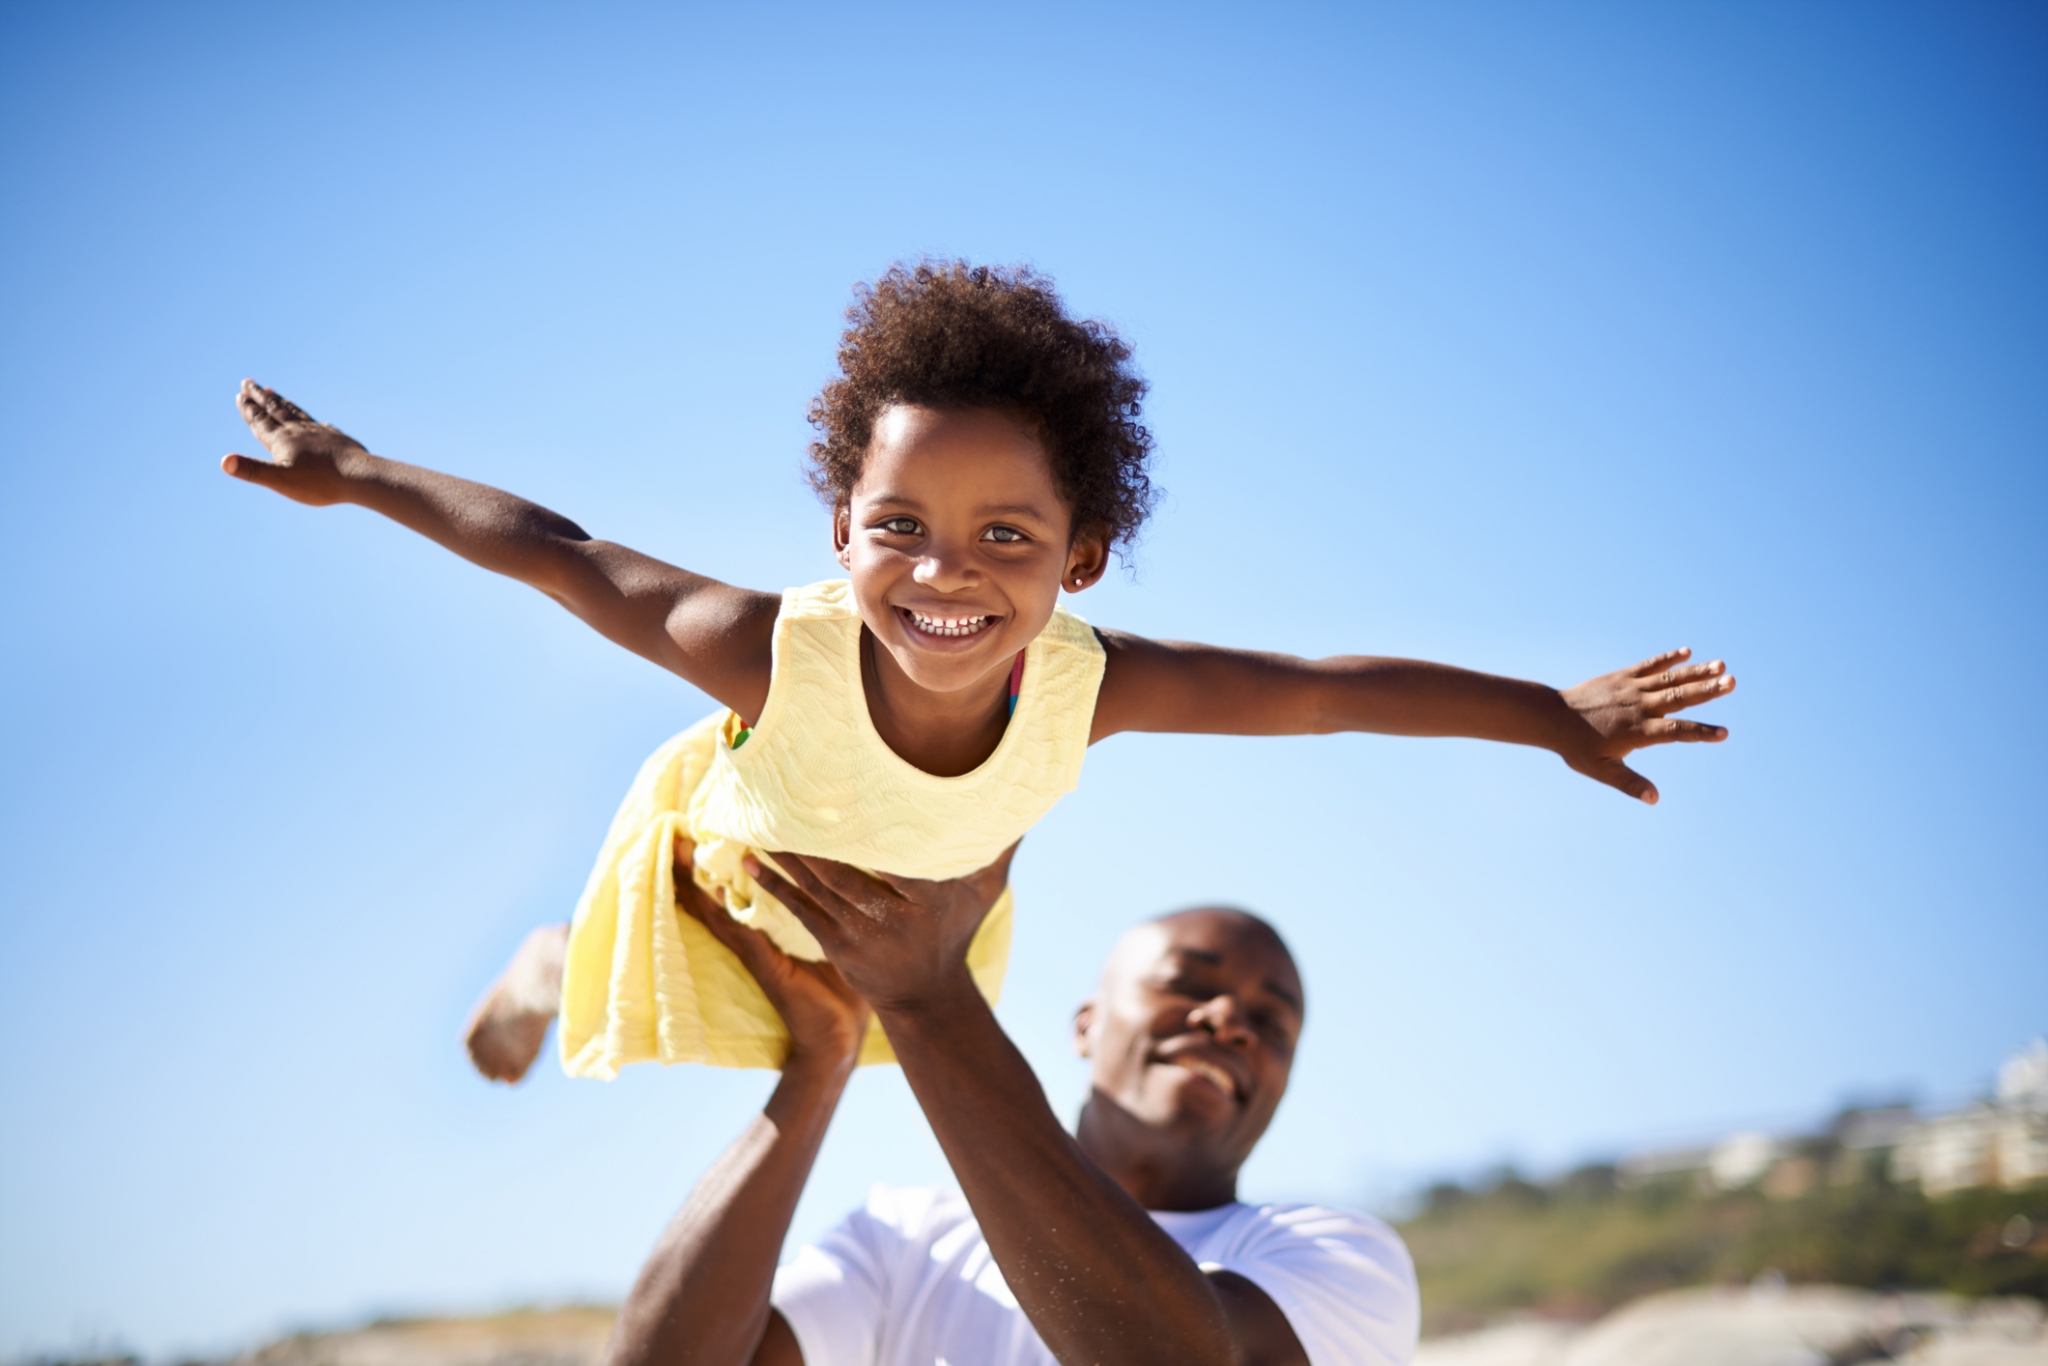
x,y
644,982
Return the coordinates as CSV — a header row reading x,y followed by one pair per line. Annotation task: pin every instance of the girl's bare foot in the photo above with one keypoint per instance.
x,y
509,1025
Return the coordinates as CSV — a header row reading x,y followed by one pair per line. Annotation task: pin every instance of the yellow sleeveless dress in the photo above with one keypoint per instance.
x,y
644,982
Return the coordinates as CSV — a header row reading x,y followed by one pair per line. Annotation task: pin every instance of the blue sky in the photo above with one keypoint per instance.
x,y
1532,338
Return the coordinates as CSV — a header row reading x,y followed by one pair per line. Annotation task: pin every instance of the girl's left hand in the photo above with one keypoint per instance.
x,y
1632,708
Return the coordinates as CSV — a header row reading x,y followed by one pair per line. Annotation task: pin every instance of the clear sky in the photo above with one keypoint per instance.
x,y
1531,338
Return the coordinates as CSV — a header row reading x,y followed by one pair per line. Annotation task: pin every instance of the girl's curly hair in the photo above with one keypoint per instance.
x,y
948,334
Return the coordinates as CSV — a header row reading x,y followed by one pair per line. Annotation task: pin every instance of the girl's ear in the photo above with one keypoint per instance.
x,y
842,535
1083,1018
1087,561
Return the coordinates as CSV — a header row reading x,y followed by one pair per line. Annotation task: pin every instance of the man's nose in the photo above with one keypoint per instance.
x,y
1224,1017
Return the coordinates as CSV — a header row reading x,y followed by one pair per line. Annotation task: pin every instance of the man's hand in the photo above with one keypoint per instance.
x,y
826,1020
309,460
897,941
1632,708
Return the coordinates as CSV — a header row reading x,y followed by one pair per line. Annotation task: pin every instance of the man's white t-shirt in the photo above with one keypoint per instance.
x,y
908,1281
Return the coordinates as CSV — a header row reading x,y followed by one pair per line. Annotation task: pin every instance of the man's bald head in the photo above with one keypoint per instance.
x,y
1190,1038
1139,946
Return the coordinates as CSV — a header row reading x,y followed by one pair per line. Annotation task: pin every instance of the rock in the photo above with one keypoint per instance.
x,y
1510,1344
531,1337
1769,1325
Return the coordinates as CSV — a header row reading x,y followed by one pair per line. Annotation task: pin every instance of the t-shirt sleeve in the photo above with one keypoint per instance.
x,y
835,1292
1344,1281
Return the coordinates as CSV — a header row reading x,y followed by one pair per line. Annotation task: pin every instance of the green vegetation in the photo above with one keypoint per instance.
x,y
1584,1244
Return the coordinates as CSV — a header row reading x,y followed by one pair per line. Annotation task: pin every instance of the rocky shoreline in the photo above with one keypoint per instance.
x,y
1767,1325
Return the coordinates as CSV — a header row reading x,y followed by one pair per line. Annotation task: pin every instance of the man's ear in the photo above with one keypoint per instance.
x,y
842,534
1087,561
1083,1018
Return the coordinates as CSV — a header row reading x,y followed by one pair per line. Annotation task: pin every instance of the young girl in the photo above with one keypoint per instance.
x,y
981,452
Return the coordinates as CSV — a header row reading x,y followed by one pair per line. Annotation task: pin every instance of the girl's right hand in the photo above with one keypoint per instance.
x,y
826,1021
309,460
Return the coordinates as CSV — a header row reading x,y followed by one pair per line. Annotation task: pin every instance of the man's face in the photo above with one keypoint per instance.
x,y
958,543
1193,1029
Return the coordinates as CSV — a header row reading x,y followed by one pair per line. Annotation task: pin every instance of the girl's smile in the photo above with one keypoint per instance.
x,y
958,543
946,627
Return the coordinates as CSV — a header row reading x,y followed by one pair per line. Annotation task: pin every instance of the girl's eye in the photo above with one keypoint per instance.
x,y
901,526
1007,535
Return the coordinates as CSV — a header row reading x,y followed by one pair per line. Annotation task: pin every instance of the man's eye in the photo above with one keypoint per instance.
x,y
1004,534
901,526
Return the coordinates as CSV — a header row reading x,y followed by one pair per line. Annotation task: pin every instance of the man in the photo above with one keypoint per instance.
x,y
1119,1243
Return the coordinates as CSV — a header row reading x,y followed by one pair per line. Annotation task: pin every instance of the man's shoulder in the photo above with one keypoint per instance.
x,y
919,1213
1344,1279
1278,1224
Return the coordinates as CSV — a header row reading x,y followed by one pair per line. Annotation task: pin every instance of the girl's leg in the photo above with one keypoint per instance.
x,y
509,1025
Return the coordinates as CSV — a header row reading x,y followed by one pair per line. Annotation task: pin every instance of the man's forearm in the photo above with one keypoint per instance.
x,y
702,1297
1098,1278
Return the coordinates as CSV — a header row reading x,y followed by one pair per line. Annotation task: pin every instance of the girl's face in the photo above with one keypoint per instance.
x,y
958,543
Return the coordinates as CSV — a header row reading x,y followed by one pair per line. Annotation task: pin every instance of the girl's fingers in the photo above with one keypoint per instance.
x,y
1689,695
252,410
1663,661
248,468
1666,731
1690,673
260,397
274,407
1622,778
286,410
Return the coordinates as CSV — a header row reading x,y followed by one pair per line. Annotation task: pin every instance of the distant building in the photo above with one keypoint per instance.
x,y
1735,1162
2023,1081
2001,1141
1998,1142
1742,1159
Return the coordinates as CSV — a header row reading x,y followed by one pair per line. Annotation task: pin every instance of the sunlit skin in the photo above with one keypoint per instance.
x,y
956,516
929,528
1190,1037
954,521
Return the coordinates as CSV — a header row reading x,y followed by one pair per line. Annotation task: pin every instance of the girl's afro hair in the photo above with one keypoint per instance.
x,y
947,334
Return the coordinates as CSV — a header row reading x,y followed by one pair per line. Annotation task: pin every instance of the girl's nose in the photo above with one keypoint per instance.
x,y
943,571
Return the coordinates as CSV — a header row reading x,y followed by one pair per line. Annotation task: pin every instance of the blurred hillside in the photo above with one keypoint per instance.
x,y
1587,1243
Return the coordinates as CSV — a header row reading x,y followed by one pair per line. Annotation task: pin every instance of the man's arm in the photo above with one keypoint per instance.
x,y
702,1297
1099,1280
716,636
1158,685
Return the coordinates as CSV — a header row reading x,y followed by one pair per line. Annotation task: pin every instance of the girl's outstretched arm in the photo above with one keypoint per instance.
x,y
716,636
1162,685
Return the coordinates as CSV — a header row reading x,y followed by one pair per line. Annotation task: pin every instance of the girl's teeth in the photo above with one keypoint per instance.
x,y
948,626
